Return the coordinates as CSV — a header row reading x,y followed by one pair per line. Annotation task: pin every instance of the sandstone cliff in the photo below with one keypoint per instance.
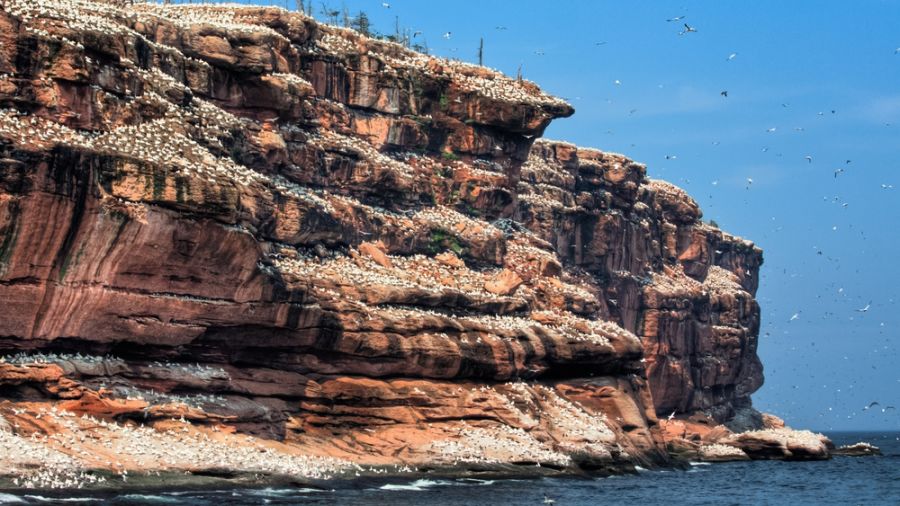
x,y
344,251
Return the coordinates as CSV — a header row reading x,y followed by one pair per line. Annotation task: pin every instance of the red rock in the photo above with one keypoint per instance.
x,y
504,283
212,234
377,254
449,259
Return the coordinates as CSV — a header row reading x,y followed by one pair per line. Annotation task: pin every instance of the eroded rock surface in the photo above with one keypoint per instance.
x,y
345,250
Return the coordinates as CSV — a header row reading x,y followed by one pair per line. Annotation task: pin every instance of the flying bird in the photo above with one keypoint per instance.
x,y
770,130
732,56
679,18
796,316
871,405
884,409
447,35
864,309
671,416
749,182
687,29
808,158
600,43
837,172
500,27
386,5
724,93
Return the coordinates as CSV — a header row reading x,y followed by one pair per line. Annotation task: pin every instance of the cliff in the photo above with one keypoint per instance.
x,y
235,238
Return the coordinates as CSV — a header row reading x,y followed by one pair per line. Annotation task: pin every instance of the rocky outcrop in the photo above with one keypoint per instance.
x,y
340,249
700,437
781,444
860,449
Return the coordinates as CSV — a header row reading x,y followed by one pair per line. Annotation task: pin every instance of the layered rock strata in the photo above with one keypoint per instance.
x,y
226,224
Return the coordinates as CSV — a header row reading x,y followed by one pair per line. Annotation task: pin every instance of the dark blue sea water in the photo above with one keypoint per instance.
x,y
842,480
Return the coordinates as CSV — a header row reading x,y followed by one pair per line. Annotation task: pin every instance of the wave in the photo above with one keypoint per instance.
x,y
149,498
41,498
473,481
699,463
416,485
10,499
279,492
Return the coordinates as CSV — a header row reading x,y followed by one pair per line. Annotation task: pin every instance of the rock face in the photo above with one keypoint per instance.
x,y
247,220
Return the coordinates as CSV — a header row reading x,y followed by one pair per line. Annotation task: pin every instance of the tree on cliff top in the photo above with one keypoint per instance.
x,y
361,23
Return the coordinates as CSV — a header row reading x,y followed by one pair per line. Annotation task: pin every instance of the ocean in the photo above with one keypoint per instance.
x,y
842,480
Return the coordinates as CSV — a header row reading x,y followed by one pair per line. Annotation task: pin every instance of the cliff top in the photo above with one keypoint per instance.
x,y
70,20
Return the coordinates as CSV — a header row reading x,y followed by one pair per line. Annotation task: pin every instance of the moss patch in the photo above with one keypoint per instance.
x,y
441,240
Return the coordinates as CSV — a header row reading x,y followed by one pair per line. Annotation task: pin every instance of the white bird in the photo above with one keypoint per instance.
x,y
676,18
732,56
796,316
617,82
808,158
864,309
548,500
887,186
447,35
871,405
671,416
687,29
386,5
770,130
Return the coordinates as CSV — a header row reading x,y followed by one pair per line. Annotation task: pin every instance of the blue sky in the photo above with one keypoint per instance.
x,y
795,63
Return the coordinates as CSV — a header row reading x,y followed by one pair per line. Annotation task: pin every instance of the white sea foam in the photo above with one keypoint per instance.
x,y
281,492
150,498
416,485
473,481
41,498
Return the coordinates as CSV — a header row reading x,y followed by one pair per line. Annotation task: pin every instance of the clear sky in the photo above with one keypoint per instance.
x,y
817,79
